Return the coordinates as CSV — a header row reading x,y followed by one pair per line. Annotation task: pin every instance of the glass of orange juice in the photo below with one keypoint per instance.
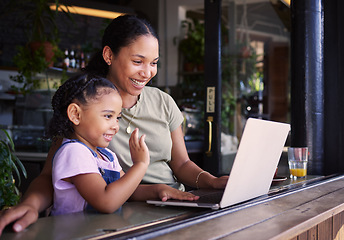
x,y
297,160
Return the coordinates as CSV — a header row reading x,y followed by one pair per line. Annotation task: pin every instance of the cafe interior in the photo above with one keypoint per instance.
x,y
223,62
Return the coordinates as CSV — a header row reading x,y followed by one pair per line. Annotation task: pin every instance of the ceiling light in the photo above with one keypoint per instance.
x,y
87,11
286,2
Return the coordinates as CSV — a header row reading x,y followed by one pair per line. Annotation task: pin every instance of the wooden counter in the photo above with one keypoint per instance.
x,y
313,212
308,210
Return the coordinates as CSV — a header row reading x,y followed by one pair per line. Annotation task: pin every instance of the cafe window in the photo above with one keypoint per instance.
x,y
255,69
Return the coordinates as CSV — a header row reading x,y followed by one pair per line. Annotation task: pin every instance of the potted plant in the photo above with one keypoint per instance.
x,y
9,163
29,64
192,45
39,23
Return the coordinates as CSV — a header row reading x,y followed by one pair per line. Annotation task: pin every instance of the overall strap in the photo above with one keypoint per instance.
x,y
103,151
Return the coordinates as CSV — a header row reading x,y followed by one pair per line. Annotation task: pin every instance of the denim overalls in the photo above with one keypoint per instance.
x,y
108,175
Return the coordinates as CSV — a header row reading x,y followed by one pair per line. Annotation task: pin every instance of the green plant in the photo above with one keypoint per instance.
x,y
9,163
37,18
228,107
29,64
192,46
241,75
238,67
38,21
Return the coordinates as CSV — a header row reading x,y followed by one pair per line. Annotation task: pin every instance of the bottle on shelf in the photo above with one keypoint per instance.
x,y
78,56
72,59
78,60
82,60
88,57
66,61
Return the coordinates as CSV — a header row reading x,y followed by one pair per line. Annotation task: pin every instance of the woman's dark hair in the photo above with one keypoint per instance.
x,y
121,32
81,88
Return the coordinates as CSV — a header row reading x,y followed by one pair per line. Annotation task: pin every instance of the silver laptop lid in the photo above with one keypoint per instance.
x,y
257,157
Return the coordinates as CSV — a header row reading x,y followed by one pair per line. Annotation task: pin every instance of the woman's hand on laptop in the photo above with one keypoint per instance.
x,y
219,183
166,192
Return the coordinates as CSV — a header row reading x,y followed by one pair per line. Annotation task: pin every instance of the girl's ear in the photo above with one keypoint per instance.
x,y
74,113
107,55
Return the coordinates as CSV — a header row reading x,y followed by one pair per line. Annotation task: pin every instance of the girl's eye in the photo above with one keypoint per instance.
x,y
119,117
155,63
108,116
137,62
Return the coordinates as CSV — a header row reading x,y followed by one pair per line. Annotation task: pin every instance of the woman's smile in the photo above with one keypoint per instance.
x,y
138,83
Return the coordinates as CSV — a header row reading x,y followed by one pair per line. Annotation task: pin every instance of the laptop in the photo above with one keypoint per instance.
x,y
253,169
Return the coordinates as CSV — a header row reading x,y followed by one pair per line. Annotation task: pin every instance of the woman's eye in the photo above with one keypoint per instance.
x,y
119,117
108,116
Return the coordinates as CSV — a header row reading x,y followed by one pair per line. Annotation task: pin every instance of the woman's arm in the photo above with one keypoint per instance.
x,y
37,198
160,191
186,170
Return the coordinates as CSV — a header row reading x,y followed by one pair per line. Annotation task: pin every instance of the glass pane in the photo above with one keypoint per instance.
x,y
255,72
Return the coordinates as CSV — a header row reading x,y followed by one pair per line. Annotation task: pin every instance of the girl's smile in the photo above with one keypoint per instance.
x,y
108,137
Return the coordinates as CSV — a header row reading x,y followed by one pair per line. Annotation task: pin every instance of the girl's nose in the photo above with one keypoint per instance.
x,y
115,126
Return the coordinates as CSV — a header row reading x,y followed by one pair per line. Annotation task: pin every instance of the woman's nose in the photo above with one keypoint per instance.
x,y
145,73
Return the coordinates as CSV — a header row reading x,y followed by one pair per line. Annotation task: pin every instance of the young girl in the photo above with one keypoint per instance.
x,y
85,173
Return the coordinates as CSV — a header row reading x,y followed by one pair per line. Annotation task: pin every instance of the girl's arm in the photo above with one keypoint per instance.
x,y
108,198
186,170
37,198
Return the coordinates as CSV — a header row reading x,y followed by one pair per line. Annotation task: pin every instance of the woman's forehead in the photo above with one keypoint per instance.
x,y
144,44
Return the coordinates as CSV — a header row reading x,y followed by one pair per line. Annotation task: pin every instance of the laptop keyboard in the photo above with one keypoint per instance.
x,y
208,196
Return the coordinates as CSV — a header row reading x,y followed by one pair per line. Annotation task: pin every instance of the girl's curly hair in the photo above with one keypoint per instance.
x,y
81,88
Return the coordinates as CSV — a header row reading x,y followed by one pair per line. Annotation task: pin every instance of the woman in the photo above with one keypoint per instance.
x,y
129,57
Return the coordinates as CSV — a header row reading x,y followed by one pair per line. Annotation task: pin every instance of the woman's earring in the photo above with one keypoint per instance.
x,y
109,63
